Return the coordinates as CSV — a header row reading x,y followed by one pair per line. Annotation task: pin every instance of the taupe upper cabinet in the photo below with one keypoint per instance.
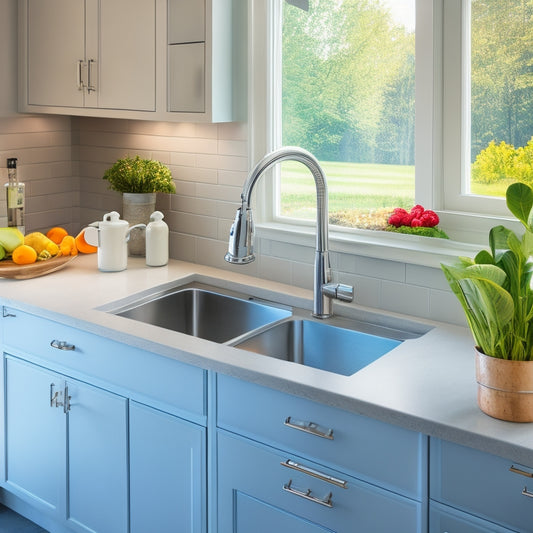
x,y
137,59
85,53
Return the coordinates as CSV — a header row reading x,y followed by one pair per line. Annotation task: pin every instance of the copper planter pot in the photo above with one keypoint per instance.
x,y
505,388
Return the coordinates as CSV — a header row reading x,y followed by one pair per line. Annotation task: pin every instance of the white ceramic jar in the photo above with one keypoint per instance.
x,y
156,240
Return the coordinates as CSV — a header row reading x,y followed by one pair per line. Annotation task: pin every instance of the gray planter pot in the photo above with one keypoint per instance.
x,y
136,209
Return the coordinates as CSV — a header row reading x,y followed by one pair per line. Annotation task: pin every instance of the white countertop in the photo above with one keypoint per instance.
x,y
425,384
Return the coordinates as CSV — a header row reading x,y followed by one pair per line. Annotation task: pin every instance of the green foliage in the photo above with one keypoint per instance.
x,y
420,231
502,162
348,82
523,163
139,176
495,288
501,80
494,163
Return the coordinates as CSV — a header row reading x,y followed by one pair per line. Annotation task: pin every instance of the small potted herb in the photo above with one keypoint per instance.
x,y
136,175
139,180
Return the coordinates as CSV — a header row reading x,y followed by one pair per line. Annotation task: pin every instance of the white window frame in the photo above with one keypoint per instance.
x,y
440,131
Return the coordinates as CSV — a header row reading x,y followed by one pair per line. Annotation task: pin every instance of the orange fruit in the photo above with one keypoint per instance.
x,y
24,255
57,234
83,246
68,246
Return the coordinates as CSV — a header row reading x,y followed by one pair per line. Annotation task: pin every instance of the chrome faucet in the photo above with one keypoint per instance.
x,y
240,248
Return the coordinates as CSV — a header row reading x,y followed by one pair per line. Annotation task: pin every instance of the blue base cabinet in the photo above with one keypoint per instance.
x,y
100,436
486,487
289,464
167,473
258,491
66,448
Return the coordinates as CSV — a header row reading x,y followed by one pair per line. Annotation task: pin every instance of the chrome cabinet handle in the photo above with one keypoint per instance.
x,y
516,470
60,398
307,494
309,427
66,403
55,396
62,345
90,86
526,492
315,473
79,81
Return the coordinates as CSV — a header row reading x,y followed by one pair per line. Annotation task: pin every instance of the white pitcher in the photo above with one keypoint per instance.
x,y
111,236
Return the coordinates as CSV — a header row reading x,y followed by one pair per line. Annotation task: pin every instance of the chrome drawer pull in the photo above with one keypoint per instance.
x,y
326,502
521,472
309,427
62,345
90,86
525,492
79,81
315,473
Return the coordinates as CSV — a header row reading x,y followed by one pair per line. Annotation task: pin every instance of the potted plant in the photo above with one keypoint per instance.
x,y
495,291
139,180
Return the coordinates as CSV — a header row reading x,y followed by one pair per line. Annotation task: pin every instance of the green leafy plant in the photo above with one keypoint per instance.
x,y
139,176
434,232
495,288
494,163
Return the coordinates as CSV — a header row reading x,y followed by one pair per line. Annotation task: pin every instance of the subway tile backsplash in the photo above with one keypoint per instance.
x,y
62,160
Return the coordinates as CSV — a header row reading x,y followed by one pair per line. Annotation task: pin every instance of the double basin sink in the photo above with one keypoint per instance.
x,y
339,345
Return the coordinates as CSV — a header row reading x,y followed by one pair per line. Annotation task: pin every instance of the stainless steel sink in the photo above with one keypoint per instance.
x,y
203,313
319,345
341,345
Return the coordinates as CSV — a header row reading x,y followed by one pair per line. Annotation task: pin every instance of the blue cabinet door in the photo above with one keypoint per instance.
x,y
35,437
262,489
490,487
167,473
97,460
66,448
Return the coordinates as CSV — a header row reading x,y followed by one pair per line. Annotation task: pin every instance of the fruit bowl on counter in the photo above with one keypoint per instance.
x,y
10,270
37,254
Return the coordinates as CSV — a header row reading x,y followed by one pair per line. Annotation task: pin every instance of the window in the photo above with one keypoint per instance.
x,y
348,96
488,101
474,90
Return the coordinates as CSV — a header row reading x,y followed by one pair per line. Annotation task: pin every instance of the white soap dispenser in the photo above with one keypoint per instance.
x,y
156,240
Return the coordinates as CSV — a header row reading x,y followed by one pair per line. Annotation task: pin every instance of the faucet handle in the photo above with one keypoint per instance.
x,y
338,291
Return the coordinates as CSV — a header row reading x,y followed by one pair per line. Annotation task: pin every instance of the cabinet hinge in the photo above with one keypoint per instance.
x,y
6,313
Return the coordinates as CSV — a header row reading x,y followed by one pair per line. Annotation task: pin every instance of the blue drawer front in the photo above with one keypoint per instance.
x,y
447,520
149,377
251,476
380,453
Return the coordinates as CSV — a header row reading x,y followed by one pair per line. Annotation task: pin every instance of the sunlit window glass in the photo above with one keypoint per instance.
x,y
501,115
348,96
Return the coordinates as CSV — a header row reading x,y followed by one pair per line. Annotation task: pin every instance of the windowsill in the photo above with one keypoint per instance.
x,y
425,251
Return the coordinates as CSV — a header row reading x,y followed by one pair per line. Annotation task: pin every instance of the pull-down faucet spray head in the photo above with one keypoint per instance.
x,y
241,237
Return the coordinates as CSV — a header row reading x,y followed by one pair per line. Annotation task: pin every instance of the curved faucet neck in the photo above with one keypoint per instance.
x,y
293,153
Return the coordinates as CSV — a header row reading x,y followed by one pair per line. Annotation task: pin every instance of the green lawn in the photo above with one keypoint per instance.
x,y
350,186
357,187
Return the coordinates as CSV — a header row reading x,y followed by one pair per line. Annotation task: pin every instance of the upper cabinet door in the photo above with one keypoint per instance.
x,y
127,62
186,21
56,51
